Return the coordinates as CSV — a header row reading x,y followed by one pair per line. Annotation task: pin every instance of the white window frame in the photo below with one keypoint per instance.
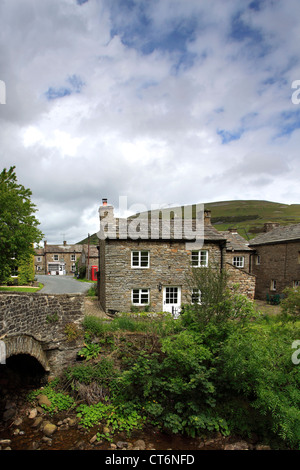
x,y
199,258
38,259
257,259
55,257
138,259
73,257
273,285
238,261
73,268
140,292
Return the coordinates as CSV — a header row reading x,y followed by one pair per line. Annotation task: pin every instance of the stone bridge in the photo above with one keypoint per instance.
x,y
35,325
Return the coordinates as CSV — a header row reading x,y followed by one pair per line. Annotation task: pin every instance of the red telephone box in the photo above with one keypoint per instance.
x,y
94,270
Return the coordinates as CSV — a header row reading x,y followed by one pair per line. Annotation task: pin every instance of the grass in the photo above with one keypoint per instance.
x,y
21,288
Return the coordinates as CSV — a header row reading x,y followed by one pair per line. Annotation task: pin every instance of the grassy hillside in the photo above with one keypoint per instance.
x,y
248,217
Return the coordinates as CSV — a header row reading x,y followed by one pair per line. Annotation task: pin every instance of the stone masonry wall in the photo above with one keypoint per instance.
x,y
44,317
169,266
245,281
279,262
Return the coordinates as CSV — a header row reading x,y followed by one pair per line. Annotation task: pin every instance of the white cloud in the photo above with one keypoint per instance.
x,y
164,102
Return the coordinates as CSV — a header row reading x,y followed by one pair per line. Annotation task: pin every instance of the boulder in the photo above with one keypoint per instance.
x,y
139,445
49,429
32,413
240,445
43,400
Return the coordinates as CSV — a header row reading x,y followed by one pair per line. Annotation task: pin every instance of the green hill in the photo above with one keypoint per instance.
x,y
248,217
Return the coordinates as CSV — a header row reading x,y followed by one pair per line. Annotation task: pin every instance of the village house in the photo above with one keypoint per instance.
x,y
276,263
142,269
57,259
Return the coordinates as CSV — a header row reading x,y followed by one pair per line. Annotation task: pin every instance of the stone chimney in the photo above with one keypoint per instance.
x,y
232,230
106,212
107,221
65,243
268,226
45,244
207,217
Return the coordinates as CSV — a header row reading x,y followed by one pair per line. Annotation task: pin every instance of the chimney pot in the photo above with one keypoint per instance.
x,y
104,202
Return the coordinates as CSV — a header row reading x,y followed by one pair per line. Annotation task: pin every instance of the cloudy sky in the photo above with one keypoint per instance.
x,y
159,101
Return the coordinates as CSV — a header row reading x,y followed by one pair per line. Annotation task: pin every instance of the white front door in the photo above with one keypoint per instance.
x,y
172,300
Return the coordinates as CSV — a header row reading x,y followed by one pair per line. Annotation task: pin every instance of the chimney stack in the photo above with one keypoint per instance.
x,y
106,212
207,217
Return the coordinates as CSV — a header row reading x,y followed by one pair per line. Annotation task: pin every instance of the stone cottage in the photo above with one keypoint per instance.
x,y
276,263
140,266
57,259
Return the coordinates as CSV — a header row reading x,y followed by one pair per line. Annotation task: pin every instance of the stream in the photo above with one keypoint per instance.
x,y
22,427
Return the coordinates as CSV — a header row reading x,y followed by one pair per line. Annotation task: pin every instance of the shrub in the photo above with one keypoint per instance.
x,y
256,365
290,305
175,388
218,304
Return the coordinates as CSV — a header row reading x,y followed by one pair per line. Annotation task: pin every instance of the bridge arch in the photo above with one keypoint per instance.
x,y
24,344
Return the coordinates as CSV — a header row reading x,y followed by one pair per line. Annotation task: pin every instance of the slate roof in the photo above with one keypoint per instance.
x,y
59,249
277,235
235,242
176,230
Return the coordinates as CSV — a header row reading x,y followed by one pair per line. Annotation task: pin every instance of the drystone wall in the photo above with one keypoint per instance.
x,y
42,317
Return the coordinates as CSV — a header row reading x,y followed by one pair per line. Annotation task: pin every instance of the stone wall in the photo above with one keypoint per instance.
x,y
246,254
44,318
246,282
169,266
279,262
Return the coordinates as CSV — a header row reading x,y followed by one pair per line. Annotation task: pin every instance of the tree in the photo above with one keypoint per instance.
x,y
213,301
18,224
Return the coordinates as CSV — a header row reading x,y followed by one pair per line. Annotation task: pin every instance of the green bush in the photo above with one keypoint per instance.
x,y
59,401
256,364
290,305
174,388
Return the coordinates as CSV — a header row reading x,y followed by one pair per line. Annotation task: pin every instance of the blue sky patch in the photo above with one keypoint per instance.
x,y
289,122
54,93
228,136
75,85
